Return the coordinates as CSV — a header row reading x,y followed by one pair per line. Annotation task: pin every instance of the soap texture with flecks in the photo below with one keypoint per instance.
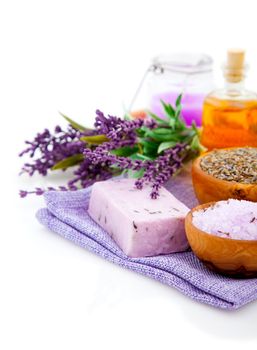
x,y
141,226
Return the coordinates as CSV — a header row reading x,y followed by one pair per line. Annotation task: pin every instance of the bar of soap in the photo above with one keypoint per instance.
x,y
141,226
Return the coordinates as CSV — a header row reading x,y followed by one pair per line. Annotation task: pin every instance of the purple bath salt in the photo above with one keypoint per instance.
x,y
236,219
192,105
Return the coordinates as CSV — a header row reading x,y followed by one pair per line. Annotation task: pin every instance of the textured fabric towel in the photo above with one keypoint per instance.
x,y
66,214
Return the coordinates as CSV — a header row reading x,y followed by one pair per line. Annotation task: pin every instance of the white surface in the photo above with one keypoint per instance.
x,y
76,56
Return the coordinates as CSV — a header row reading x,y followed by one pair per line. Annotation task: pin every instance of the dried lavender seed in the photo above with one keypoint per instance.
x,y
175,209
238,164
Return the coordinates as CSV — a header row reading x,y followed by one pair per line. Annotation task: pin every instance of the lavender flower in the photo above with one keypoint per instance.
x,y
39,191
116,128
156,172
145,139
52,148
162,168
87,173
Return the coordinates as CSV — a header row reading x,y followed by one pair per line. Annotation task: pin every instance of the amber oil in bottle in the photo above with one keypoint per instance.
x,y
230,114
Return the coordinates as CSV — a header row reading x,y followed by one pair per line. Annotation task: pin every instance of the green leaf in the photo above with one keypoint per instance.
x,y
178,100
169,110
194,127
169,136
147,143
162,131
125,151
149,147
140,157
195,143
165,145
68,162
188,134
172,123
178,111
158,119
127,116
95,139
74,124
135,174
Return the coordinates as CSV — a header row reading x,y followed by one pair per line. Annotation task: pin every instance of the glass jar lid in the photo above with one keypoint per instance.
x,y
185,63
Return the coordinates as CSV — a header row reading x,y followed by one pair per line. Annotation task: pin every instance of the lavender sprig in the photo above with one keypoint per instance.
x,y
116,128
153,147
162,168
51,148
156,172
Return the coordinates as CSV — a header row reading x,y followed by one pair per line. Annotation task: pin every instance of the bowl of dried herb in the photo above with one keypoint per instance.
x,y
226,173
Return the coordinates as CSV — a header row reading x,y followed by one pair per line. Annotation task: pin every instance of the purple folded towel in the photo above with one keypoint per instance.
x,y
66,214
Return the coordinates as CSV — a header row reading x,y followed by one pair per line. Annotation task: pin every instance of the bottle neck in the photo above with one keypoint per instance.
x,y
234,89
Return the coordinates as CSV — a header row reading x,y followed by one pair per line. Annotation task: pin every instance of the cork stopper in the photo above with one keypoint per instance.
x,y
235,66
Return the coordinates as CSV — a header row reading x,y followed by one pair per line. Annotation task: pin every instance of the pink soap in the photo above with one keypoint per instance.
x,y
141,226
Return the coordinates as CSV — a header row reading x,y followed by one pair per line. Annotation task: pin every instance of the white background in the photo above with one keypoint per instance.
x,y
74,57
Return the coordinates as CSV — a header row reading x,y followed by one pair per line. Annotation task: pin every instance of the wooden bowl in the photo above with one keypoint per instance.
x,y
237,258
208,188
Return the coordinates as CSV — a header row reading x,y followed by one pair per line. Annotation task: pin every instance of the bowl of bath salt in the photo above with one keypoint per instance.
x,y
223,235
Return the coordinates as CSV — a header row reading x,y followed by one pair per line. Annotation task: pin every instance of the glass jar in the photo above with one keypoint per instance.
x,y
171,75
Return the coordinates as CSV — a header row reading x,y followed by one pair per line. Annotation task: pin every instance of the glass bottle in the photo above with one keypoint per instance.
x,y
230,114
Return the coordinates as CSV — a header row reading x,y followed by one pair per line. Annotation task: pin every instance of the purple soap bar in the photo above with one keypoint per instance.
x,y
141,226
